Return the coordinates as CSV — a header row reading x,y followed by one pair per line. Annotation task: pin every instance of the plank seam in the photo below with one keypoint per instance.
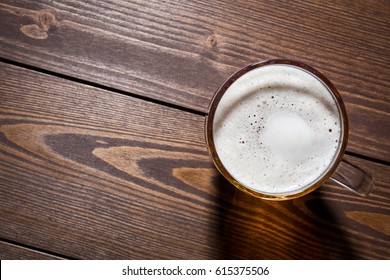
x,y
43,251
101,86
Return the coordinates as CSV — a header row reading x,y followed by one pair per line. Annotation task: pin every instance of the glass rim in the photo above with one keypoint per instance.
x,y
209,122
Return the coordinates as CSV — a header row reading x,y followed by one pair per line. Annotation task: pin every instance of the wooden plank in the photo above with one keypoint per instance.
x,y
10,251
91,174
181,52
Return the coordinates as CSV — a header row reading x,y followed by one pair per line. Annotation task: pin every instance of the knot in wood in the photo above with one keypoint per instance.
x,y
45,19
212,40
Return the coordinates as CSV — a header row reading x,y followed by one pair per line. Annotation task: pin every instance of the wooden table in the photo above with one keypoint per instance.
x,y
102,149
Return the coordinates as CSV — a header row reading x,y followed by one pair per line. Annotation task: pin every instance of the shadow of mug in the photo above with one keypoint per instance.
x,y
303,228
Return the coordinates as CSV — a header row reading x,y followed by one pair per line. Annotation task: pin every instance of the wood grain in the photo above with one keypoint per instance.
x,y
10,251
91,174
180,53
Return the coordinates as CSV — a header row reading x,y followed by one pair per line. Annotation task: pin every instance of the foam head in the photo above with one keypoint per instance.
x,y
277,129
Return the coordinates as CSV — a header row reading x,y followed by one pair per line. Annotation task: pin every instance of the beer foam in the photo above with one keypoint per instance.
x,y
277,129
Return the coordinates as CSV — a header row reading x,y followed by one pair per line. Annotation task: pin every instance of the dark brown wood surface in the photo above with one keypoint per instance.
x,y
180,52
102,152
91,174
10,251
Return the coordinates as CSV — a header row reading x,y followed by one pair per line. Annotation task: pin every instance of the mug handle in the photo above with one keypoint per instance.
x,y
353,177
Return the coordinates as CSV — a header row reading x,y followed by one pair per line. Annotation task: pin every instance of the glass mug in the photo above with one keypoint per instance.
x,y
278,130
